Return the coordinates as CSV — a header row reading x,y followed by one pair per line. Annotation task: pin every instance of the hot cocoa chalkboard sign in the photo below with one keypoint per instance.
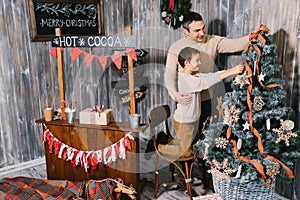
x,y
72,17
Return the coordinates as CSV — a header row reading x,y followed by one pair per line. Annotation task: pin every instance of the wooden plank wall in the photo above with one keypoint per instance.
x,y
28,75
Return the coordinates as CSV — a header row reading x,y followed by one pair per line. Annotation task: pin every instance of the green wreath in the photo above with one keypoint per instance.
x,y
172,11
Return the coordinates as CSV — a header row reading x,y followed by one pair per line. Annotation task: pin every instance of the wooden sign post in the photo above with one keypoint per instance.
x,y
60,64
132,109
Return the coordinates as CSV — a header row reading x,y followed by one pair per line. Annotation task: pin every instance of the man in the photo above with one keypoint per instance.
x,y
209,46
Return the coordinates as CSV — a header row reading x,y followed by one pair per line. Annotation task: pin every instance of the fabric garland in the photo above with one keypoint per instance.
x,y
87,159
116,58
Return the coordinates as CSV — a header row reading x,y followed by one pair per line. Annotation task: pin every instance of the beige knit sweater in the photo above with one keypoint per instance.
x,y
209,48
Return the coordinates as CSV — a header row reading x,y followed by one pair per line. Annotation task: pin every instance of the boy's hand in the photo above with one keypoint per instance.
x,y
232,71
237,69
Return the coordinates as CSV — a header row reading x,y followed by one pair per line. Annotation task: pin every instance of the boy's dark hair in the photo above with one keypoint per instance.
x,y
189,18
186,54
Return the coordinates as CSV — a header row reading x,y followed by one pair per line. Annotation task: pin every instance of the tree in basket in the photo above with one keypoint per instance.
x,y
253,140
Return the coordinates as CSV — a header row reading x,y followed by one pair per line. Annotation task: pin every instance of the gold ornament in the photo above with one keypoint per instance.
x,y
258,103
284,134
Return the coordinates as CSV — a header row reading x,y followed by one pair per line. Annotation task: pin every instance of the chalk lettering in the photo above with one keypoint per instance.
x,y
93,41
67,41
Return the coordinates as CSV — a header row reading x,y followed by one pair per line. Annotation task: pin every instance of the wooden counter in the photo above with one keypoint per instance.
x,y
93,137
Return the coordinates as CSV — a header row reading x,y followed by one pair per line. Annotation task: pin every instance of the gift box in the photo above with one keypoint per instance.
x,y
91,116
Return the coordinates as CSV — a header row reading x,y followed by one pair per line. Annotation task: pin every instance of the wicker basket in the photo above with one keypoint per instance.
x,y
240,191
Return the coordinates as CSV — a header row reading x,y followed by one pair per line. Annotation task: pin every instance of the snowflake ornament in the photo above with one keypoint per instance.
x,y
221,142
273,171
232,114
242,79
284,134
221,170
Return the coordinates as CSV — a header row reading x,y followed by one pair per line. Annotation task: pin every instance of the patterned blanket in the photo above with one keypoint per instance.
x,y
21,188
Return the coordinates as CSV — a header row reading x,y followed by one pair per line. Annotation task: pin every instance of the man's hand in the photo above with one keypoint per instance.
x,y
183,98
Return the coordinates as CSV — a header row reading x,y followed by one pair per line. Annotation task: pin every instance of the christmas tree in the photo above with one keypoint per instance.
x,y
254,137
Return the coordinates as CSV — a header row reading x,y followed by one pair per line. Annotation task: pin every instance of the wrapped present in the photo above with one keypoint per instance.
x,y
93,116
213,196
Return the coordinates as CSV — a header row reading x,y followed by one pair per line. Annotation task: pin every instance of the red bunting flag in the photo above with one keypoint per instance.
x,y
103,60
88,59
131,53
53,51
117,59
75,53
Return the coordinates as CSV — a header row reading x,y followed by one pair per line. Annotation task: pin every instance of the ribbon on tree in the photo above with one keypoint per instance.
x,y
87,159
258,166
257,34
289,172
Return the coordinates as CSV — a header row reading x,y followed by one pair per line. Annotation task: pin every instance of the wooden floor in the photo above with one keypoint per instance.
x,y
37,169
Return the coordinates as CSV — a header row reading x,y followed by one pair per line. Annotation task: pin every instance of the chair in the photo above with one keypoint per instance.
x,y
157,116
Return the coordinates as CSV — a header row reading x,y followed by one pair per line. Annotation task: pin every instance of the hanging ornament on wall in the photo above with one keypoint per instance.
x,y
172,11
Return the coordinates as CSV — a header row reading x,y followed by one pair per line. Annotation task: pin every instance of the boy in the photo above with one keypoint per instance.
x,y
186,117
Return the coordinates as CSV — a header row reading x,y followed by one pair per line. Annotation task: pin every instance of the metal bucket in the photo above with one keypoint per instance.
x,y
70,116
134,120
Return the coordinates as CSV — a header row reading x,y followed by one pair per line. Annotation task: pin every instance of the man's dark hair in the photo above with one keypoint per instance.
x,y
189,18
186,54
